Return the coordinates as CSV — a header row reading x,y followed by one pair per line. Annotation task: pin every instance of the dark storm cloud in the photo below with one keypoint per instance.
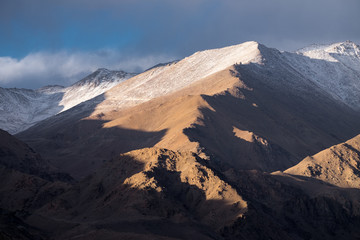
x,y
137,28
185,26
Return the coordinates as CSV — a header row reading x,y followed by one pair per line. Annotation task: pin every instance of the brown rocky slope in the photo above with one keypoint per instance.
x,y
160,194
155,193
338,165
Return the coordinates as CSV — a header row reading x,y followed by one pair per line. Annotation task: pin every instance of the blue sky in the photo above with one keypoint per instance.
x,y
58,42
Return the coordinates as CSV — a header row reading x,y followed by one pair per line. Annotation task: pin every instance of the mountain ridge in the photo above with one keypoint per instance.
x,y
338,165
256,90
200,149
307,65
22,108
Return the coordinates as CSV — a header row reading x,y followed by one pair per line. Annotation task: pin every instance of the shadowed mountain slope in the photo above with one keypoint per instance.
x,y
17,155
156,193
161,192
27,183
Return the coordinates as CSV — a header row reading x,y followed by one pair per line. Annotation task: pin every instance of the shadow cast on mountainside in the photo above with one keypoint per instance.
x,y
289,120
78,146
126,199
217,137
284,207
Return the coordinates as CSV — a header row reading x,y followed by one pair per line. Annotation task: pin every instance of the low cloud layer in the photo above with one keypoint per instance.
x,y
64,68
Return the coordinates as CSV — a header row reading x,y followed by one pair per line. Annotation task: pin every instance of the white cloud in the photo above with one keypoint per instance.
x,y
63,68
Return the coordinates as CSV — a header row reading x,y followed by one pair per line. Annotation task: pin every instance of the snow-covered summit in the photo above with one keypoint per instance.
x,y
335,68
22,108
345,48
348,48
102,75
169,78
346,52
91,86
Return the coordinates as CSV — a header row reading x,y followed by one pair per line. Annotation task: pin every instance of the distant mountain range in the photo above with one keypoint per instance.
x,y
241,142
22,108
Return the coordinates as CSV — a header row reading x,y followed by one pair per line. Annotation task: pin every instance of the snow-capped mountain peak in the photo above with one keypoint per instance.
x,y
344,48
22,108
331,52
335,68
91,86
169,78
102,75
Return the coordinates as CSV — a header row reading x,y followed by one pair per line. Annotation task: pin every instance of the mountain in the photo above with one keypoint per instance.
x,y
161,193
22,108
27,182
91,86
213,146
17,155
338,165
155,193
338,75
247,105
